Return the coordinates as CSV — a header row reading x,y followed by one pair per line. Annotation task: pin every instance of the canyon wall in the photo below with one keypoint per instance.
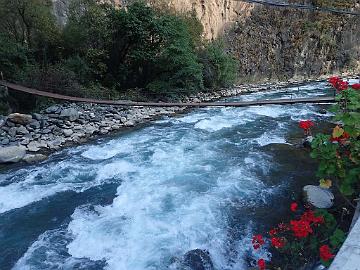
x,y
272,43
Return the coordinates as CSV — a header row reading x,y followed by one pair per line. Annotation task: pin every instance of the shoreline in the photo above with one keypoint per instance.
x,y
64,125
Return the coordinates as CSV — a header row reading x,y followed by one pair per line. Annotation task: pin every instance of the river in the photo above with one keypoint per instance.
x,y
142,199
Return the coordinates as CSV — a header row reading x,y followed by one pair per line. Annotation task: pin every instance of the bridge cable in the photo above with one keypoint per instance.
x,y
302,7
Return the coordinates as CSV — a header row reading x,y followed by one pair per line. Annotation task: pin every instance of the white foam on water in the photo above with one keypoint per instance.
x,y
175,193
162,211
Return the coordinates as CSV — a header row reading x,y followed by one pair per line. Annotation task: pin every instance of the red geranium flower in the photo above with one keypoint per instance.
x,y
301,228
293,207
261,264
338,83
341,86
325,253
257,241
278,242
309,216
356,86
334,80
306,124
273,232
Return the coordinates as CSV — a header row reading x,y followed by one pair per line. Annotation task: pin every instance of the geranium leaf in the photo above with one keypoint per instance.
x,y
325,183
337,132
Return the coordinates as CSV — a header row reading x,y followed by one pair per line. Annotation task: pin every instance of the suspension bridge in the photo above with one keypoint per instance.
x,y
23,89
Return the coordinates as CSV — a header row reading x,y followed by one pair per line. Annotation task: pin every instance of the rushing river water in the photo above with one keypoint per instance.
x,y
141,200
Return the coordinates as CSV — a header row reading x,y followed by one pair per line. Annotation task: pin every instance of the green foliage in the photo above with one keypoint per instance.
x,y
339,154
103,46
220,68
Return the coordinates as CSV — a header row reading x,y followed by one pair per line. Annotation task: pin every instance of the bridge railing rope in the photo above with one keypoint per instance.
x,y
302,7
23,89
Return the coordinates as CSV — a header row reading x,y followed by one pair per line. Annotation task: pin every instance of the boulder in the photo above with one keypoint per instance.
x,y
129,123
318,196
5,141
19,118
53,109
307,142
29,158
11,154
68,132
70,113
198,259
34,146
22,130
12,131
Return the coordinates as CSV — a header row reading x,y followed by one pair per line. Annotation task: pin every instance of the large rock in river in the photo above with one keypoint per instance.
x,y
318,196
19,118
198,259
12,154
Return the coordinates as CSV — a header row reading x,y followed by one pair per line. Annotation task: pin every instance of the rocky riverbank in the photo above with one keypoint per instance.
x,y
31,138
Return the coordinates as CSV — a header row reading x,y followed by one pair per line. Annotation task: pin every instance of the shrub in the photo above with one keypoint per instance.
x,y
220,68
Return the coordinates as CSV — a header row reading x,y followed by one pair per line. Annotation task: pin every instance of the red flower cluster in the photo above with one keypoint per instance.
x,y
293,207
310,217
261,264
355,86
278,242
338,83
325,253
257,241
307,124
301,228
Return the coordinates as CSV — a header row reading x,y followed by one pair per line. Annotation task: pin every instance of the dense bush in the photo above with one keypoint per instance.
x,y
220,68
101,46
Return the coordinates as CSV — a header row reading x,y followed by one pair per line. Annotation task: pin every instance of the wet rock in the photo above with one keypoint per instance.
x,y
37,116
198,259
25,141
68,132
12,131
70,113
22,130
129,123
35,146
11,154
5,141
318,196
53,109
30,158
35,124
307,142
18,118
322,111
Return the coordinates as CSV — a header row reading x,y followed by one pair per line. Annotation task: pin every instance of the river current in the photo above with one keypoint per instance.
x,y
142,199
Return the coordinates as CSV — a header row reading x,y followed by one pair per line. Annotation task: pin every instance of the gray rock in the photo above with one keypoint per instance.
x,y
12,131
38,116
129,123
5,141
22,130
318,196
70,114
68,132
2,122
11,154
34,146
19,118
10,124
25,141
53,109
35,124
198,259
90,130
30,158
55,144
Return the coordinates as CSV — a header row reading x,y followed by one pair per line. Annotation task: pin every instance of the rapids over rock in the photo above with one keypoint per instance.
x,y
183,192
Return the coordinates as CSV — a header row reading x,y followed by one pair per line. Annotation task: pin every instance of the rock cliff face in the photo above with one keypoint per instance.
x,y
276,44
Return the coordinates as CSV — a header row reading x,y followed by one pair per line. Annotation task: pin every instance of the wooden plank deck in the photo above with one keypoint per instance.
x,y
317,100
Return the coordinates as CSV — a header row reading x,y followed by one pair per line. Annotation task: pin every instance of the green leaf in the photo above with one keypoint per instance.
x,y
337,238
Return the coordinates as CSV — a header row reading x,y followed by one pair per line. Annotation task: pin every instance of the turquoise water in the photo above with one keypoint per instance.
x,y
142,199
